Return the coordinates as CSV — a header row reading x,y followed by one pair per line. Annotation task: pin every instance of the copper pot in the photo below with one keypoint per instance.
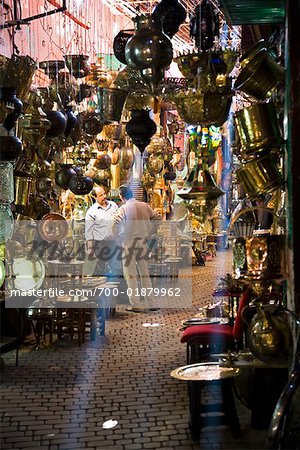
x,y
259,176
126,158
258,127
259,75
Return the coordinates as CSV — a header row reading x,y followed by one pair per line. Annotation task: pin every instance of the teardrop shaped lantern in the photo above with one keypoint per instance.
x,y
140,128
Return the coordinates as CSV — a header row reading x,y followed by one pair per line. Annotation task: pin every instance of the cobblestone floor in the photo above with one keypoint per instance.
x,y
60,396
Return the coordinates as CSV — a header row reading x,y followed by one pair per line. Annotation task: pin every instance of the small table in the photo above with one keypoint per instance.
x,y
267,383
198,375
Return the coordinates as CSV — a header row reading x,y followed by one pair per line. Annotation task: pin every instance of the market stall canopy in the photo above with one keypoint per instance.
x,y
253,12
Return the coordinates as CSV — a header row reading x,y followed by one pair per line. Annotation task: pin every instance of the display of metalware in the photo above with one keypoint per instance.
x,y
198,108
260,176
149,50
259,74
110,103
258,127
6,182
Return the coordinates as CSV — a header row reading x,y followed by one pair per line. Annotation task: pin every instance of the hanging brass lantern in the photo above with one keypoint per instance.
x,y
149,50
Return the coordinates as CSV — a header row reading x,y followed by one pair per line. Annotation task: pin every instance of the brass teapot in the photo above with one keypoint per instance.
x,y
269,334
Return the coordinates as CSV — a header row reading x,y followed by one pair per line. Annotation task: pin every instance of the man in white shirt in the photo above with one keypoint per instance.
x,y
132,223
100,240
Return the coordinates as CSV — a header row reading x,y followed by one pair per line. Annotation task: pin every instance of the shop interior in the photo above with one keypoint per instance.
x,y
194,106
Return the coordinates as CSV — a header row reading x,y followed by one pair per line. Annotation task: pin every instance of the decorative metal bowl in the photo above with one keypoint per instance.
x,y
198,108
194,64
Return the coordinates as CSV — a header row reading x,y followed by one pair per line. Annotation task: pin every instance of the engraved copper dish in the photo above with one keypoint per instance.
x,y
53,227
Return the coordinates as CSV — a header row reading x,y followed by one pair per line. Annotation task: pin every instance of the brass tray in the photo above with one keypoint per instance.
x,y
200,321
204,372
28,273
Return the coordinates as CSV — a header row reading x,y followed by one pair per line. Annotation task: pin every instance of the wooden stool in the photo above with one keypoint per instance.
x,y
199,376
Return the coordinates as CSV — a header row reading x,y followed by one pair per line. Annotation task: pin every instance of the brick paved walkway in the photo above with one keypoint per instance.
x,y
59,397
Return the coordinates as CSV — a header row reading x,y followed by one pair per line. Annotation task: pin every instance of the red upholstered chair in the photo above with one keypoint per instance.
x,y
203,340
